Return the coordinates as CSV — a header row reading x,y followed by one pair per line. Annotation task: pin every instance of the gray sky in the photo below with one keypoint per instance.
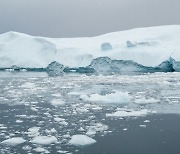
x,y
73,18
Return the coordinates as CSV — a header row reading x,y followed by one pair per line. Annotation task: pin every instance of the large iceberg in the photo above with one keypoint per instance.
x,y
138,48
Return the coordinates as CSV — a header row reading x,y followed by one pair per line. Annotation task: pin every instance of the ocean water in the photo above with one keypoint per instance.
x,y
124,114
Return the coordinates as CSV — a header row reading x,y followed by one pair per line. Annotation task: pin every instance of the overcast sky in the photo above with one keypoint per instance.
x,y
73,18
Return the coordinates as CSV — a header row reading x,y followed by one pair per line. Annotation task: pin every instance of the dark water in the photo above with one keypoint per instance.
x,y
160,135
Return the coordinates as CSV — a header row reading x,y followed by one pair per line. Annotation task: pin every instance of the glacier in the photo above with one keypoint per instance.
x,y
150,49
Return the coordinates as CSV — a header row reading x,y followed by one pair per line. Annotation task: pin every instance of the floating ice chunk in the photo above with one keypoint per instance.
x,y
91,133
146,121
61,151
143,126
33,131
82,110
41,150
59,119
28,85
96,108
63,123
44,140
81,140
26,147
98,127
55,69
19,121
81,129
53,130
3,127
129,113
13,141
66,136
57,95
146,101
57,102
34,109
117,97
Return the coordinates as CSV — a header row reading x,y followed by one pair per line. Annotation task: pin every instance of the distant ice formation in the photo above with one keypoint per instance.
x,y
137,50
106,46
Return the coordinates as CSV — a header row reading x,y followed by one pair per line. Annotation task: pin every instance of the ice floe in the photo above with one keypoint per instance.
x,y
44,140
81,140
128,113
13,141
41,150
113,98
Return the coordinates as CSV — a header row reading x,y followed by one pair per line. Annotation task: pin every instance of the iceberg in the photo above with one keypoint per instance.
x,y
139,50
55,69
106,66
175,64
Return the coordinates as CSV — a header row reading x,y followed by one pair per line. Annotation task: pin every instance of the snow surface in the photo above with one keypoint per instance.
x,y
149,47
81,140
